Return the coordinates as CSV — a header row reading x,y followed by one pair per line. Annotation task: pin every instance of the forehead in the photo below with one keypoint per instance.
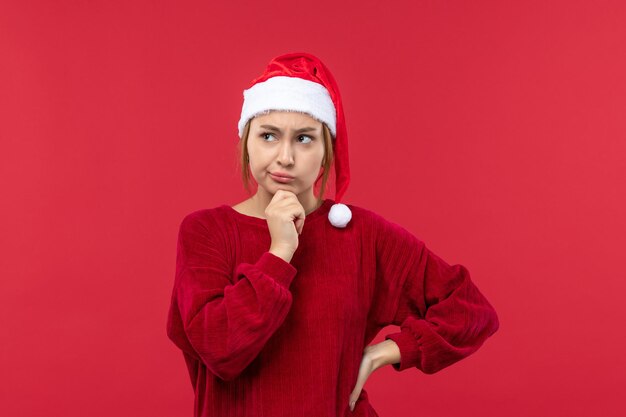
x,y
287,119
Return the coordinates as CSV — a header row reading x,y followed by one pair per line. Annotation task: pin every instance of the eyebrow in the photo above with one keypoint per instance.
x,y
304,129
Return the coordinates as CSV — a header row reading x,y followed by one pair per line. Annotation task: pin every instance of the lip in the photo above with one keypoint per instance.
x,y
282,174
281,177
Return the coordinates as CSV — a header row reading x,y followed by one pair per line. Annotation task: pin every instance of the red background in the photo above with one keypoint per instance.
x,y
493,130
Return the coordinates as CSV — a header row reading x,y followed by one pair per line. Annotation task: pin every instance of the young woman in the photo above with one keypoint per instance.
x,y
274,307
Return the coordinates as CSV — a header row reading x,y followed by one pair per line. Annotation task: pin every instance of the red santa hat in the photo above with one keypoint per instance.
x,y
299,81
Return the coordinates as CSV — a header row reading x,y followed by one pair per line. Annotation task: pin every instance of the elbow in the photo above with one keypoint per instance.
x,y
223,363
174,333
176,336
220,361
484,327
493,322
227,375
486,322
222,368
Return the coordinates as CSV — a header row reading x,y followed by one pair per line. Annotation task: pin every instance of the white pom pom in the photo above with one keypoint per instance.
x,y
339,215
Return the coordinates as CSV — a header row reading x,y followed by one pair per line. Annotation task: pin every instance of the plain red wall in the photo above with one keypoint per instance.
x,y
494,130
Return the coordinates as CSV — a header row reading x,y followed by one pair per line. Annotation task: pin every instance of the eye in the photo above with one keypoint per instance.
x,y
262,135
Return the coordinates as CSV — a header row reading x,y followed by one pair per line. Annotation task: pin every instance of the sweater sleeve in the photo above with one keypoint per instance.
x,y
442,315
224,320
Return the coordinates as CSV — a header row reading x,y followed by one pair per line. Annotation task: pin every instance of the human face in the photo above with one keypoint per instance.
x,y
286,142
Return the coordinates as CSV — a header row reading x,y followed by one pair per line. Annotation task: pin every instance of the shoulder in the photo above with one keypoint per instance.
x,y
365,216
383,228
201,237
367,221
207,220
359,212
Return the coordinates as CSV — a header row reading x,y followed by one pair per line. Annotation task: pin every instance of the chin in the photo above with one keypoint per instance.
x,y
286,188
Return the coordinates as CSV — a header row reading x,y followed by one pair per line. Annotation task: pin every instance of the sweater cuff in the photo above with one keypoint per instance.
x,y
410,353
276,267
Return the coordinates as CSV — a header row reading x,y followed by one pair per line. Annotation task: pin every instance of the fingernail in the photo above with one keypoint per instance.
x,y
352,406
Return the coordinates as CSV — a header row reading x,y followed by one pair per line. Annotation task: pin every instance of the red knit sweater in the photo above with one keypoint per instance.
x,y
266,337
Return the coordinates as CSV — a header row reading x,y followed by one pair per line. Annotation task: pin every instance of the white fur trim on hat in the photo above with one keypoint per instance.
x,y
288,93
339,215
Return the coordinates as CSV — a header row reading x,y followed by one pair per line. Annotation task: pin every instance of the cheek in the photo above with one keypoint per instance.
x,y
256,156
313,167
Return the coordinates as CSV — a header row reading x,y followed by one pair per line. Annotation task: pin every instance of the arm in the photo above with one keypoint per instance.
x,y
224,324
442,315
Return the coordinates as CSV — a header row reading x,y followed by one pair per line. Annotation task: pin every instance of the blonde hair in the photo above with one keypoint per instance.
x,y
244,159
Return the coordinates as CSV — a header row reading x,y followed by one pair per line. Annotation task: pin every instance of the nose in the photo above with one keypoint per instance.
x,y
285,154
